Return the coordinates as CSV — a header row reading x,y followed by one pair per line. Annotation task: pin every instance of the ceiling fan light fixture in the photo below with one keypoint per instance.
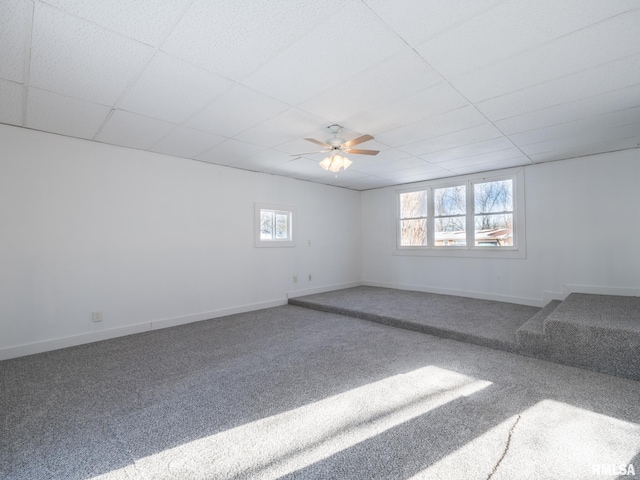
x,y
335,162
326,163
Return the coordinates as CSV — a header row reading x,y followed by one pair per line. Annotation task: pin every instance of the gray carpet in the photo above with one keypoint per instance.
x,y
483,322
599,332
295,393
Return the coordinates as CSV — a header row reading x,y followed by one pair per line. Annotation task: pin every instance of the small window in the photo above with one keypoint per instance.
x,y
274,225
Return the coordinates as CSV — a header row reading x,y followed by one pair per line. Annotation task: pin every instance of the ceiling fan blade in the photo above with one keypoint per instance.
x,y
362,152
308,153
356,141
318,142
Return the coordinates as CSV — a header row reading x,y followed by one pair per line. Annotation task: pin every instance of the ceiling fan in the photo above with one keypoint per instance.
x,y
336,148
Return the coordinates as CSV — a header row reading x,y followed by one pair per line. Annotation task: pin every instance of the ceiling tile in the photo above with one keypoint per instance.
x,y
512,27
448,122
13,30
375,86
386,155
368,182
237,110
233,38
590,126
588,149
76,58
11,101
229,152
611,76
494,165
316,62
382,169
263,161
560,57
186,142
478,160
410,176
409,112
52,112
578,109
147,21
289,125
133,130
591,136
173,90
417,20
486,147
451,140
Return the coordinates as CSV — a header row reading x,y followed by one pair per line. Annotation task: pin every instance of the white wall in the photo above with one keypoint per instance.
x,y
144,237
582,224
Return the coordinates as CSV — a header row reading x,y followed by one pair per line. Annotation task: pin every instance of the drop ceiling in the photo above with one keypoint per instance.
x,y
446,87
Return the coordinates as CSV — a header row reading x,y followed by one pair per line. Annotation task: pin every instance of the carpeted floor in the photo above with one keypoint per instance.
x,y
292,393
483,322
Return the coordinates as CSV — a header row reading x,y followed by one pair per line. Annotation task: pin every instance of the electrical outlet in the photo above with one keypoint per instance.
x,y
295,279
96,316
309,277
308,243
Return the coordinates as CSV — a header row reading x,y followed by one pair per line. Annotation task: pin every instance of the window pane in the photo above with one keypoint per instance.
x,y
450,232
413,204
266,225
493,197
413,233
281,225
494,230
450,201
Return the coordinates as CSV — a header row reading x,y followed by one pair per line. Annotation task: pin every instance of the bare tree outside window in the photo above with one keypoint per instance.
x,y
413,219
450,210
493,202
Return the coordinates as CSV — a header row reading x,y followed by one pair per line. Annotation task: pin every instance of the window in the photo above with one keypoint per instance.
x,y
449,216
464,218
493,212
413,218
274,225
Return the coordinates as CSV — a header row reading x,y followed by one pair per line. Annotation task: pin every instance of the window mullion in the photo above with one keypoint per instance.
x,y
431,237
470,218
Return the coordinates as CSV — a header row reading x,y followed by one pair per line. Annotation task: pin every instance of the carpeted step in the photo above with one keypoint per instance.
x,y
531,334
598,332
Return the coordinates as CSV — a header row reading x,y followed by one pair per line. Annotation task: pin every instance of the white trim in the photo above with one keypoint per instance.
x,y
83,338
599,290
532,302
327,288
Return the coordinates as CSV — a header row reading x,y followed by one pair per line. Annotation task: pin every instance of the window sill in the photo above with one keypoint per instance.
x,y
462,252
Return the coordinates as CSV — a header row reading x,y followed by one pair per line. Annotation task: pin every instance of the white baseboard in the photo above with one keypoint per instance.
x,y
532,302
595,290
83,338
326,288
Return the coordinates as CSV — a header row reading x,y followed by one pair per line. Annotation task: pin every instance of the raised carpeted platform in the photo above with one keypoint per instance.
x,y
596,332
482,322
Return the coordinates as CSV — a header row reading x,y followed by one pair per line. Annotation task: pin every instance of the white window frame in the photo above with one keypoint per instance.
x,y
290,211
518,250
